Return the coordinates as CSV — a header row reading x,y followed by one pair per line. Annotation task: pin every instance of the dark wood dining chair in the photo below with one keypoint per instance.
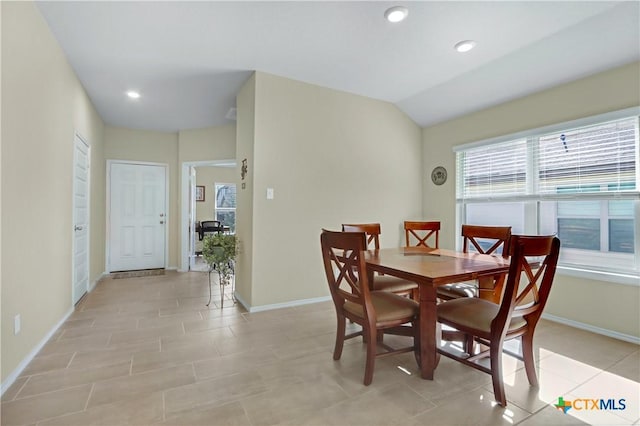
x,y
382,282
210,227
422,234
481,239
374,311
525,295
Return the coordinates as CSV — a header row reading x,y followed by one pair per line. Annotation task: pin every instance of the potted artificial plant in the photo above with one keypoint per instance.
x,y
220,252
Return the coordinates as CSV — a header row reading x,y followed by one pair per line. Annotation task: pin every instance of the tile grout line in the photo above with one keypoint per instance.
x,y
164,407
244,409
71,359
193,369
86,404
15,397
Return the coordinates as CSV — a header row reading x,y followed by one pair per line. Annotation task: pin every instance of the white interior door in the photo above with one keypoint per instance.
x,y
137,219
80,219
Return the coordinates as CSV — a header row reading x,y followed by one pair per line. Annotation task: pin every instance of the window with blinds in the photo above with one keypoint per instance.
x,y
579,182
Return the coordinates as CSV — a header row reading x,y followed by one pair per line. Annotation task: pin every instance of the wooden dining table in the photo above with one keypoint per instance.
x,y
431,268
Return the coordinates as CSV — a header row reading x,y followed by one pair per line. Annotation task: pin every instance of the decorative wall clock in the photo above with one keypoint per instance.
x,y
439,175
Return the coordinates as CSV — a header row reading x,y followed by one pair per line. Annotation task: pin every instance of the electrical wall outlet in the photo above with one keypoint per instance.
x,y
16,324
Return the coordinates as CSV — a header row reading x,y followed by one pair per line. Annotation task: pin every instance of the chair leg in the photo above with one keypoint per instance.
x,y
495,352
371,355
340,332
469,344
529,363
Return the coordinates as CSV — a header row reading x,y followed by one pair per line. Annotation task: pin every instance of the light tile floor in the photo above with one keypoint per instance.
x,y
148,351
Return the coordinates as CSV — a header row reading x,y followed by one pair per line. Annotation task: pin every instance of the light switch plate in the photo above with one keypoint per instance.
x,y
269,193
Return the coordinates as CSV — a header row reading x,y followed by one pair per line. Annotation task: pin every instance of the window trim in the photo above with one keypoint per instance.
x,y
631,277
525,134
598,275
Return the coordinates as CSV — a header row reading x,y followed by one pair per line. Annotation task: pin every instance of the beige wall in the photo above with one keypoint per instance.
x,y
607,305
211,143
208,176
331,158
245,138
43,104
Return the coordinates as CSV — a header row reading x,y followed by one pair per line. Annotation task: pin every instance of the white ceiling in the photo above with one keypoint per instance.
x,y
189,59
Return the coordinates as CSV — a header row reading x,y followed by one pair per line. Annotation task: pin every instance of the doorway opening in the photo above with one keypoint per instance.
x,y
199,179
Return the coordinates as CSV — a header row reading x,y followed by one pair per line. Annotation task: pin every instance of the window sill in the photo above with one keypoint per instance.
x,y
612,277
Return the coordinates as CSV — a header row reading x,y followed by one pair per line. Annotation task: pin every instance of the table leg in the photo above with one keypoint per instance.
x,y
428,334
490,287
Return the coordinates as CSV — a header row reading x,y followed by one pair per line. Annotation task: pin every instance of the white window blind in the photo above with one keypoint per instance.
x,y
599,158
493,171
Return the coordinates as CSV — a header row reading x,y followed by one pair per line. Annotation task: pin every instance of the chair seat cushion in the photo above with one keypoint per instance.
x,y
388,307
473,313
457,290
392,284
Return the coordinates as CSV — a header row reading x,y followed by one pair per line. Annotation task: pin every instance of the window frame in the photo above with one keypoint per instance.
x,y
531,199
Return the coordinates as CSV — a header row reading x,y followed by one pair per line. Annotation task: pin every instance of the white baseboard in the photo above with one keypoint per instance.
x,y
242,301
593,329
95,282
14,375
291,304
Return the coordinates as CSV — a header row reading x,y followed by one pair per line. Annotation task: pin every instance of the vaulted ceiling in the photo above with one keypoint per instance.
x,y
189,59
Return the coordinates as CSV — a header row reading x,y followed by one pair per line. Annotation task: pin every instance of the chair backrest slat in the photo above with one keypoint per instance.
x,y
538,284
422,234
473,233
342,254
372,231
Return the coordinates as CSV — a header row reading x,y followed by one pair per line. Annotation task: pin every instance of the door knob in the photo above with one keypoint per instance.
x,y
161,214
77,228
162,222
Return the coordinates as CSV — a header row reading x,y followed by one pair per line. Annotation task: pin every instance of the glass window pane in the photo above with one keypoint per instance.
x,y
226,196
227,218
579,233
497,214
621,235
579,208
621,208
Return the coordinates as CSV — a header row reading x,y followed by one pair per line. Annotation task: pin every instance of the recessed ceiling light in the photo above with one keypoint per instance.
x,y
133,94
396,13
465,46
